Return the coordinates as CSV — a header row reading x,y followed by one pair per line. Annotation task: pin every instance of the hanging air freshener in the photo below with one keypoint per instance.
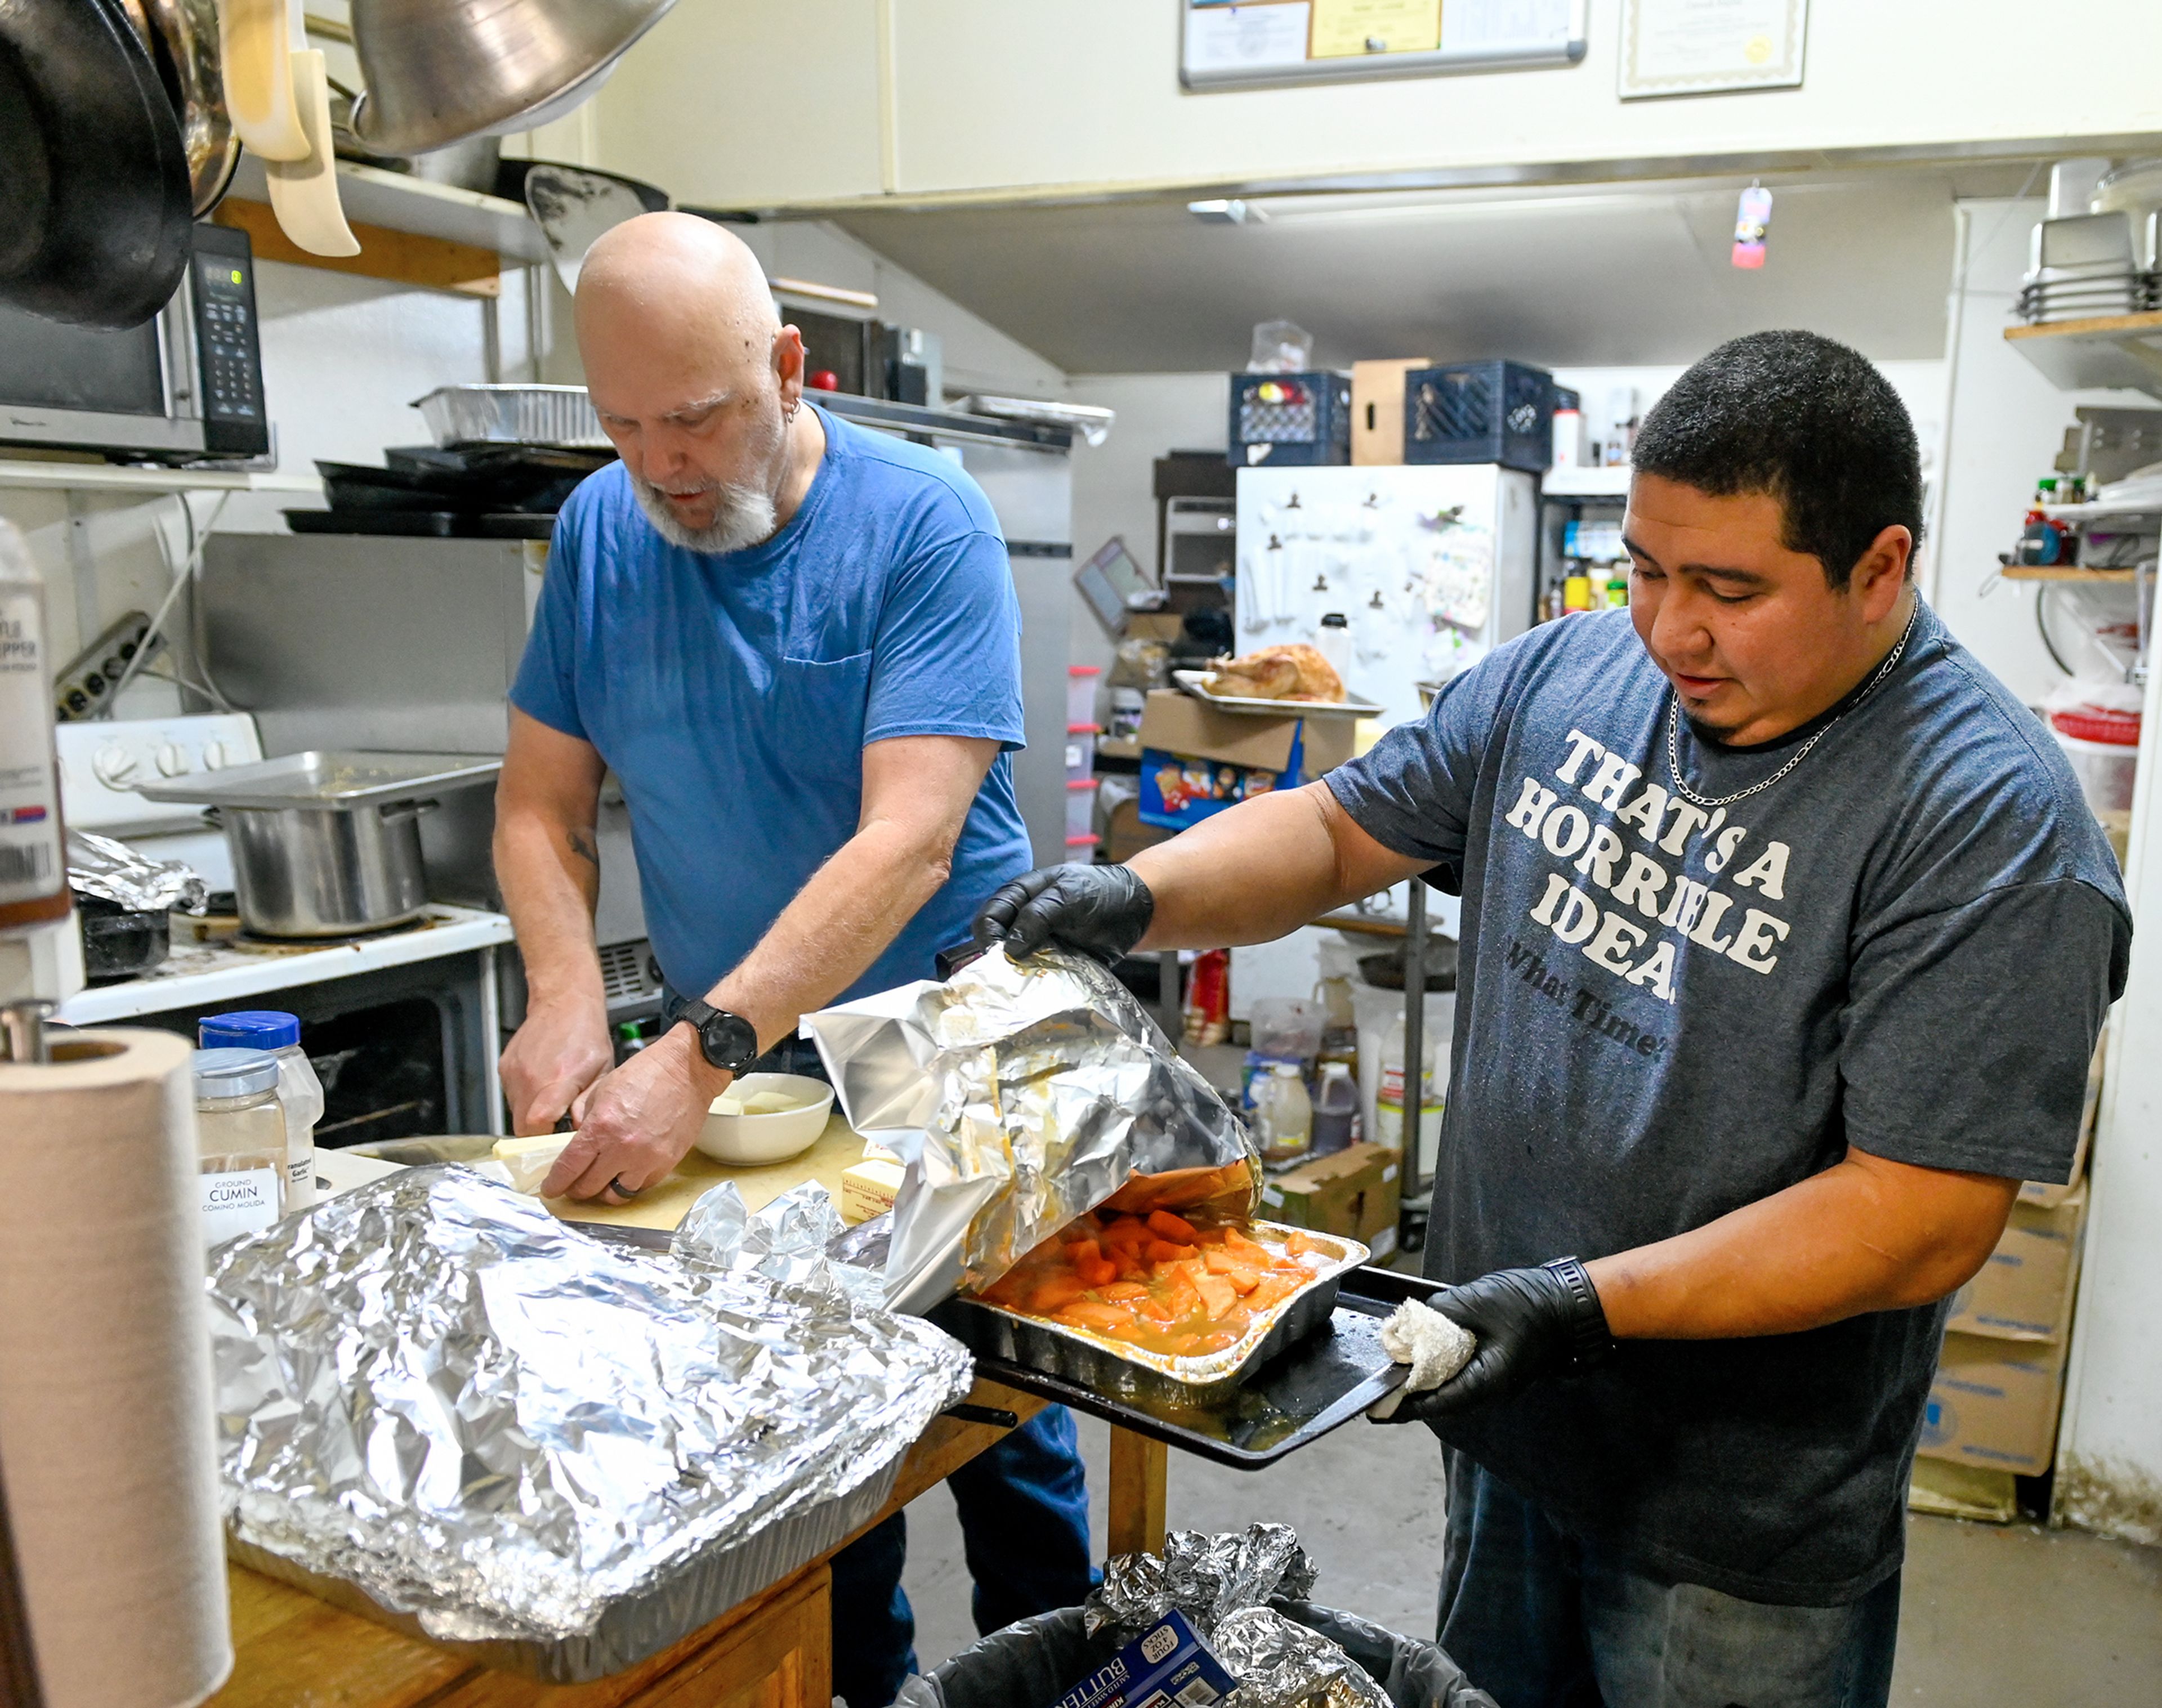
x,y
1751,222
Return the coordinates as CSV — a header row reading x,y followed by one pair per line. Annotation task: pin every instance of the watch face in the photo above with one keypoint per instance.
x,y
729,1040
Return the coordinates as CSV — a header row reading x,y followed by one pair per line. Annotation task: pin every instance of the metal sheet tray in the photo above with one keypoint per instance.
x,y
1311,1387
637,1626
1196,683
338,780
1112,1368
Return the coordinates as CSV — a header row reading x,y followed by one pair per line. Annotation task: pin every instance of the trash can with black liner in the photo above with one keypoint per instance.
x,y
1034,1663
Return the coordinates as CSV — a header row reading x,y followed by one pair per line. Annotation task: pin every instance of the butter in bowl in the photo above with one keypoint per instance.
x,y
766,1118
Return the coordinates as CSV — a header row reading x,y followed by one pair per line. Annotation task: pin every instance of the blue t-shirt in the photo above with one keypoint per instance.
x,y
732,693
1906,943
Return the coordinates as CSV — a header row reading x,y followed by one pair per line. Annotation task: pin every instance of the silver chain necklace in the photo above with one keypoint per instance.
x,y
1674,719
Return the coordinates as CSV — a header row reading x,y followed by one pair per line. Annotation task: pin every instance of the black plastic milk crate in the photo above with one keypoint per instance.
x,y
1480,412
1294,420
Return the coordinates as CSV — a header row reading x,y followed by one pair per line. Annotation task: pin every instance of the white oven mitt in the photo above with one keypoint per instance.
x,y
1435,1347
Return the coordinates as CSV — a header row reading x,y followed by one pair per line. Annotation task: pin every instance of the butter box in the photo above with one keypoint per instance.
x,y
1168,1666
869,1187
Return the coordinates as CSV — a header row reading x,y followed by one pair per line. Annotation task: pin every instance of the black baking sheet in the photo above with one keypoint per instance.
x,y
1296,1398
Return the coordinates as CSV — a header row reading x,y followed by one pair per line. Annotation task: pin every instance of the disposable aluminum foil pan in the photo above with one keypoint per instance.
x,y
1118,1371
636,1626
512,415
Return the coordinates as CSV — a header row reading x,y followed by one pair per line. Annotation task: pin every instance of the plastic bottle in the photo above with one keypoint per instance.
x,y
240,1135
1389,1103
1284,1117
34,885
1335,1108
1333,641
300,1092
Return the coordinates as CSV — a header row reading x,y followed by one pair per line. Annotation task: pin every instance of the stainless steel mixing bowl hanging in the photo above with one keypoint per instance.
x,y
441,71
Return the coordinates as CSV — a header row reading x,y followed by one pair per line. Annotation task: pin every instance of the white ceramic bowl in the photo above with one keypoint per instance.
x,y
754,1139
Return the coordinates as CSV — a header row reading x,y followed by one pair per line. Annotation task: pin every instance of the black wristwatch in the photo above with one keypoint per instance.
x,y
728,1041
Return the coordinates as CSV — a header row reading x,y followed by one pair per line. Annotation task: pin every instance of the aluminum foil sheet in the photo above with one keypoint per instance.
x,y
97,865
1207,1578
1279,1663
431,1389
1020,1094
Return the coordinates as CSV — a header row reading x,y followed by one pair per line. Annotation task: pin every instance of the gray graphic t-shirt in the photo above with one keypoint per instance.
x,y
1906,944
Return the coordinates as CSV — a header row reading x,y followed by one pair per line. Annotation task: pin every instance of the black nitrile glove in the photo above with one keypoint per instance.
x,y
1530,1323
1101,909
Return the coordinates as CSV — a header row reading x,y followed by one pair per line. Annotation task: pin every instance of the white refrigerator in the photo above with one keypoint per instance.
x,y
1430,566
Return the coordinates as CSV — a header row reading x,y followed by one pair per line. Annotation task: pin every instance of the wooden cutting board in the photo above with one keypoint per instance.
x,y
666,1204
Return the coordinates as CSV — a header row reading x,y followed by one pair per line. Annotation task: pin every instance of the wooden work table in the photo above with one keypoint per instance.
x,y
773,1651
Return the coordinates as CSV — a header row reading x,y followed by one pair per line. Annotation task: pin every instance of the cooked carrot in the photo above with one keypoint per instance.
x,y
1087,1315
1054,1291
1165,1251
1271,1289
1172,1227
1212,1340
1298,1245
1097,1274
1217,1296
1239,1242
1124,1291
1084,1250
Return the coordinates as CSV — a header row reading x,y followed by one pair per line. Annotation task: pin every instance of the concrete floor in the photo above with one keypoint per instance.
x,y
1993,1617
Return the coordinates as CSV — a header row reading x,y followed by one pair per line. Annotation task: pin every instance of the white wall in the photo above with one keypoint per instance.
x,y
1113,483
827,100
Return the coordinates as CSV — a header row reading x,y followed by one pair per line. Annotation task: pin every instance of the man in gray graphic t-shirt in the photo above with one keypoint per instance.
x,y
1786,937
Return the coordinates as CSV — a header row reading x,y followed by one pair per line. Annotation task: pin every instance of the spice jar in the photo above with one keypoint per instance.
x,y
240,1134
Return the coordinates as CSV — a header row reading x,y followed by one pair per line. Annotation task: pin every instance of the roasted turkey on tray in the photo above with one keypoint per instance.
x,y
1278,673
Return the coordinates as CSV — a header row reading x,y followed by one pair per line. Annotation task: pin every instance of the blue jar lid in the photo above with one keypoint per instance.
x,y
248,1029
228,1073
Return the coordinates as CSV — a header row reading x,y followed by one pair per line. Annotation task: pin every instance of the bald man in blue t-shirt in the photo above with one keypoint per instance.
x,y
796,643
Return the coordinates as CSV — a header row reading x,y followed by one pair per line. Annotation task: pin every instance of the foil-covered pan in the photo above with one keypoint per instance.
x,y
635,1627
1117,1370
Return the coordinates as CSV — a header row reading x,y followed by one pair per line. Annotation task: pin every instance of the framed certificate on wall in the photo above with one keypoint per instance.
x,y
1250,44
1710,47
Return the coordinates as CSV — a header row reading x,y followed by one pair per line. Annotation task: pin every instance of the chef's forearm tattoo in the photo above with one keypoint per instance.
x,y
581,845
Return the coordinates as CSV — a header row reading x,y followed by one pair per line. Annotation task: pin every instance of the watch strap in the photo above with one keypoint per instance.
x,y
1590,1341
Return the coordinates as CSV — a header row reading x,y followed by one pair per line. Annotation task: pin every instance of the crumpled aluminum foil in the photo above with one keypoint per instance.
x,y
1224,1584
1207,1578
1020,1094
430,1387
113,871
1279,1663
794,1243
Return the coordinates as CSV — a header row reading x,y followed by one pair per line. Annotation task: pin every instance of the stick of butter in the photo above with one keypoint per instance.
x,y
529,1159
868,1189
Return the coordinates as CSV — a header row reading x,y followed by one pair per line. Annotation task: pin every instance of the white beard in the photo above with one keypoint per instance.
x,y
743,516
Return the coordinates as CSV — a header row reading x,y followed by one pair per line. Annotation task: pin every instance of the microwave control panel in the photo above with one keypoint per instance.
x,y
228,354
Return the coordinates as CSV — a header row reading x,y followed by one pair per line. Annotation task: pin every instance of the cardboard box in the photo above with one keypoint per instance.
x,y
1995,1402
1377,409
1354,1194
1197,760
2024,1291
1166,1666
868,1188
1166,626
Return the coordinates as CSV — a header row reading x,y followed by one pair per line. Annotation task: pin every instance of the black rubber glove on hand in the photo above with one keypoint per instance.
x,y
1103,910
1530,1324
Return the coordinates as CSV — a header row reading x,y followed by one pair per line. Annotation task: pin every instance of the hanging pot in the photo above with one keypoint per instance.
x,y
182,37
95,200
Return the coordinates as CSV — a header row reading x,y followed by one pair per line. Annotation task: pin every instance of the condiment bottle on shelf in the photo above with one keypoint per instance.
x,y
1335,1108
300,1092
1283,1115
240,1134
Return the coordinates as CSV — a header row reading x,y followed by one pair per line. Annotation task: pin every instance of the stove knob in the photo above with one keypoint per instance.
x,y
214,756
172,759
113,766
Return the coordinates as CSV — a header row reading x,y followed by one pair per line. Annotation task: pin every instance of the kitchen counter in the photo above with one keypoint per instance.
x,y
211,963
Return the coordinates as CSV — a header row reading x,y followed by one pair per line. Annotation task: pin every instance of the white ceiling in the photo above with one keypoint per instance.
x,y
1573,276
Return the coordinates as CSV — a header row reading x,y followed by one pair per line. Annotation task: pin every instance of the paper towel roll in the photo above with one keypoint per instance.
x,y
106,1437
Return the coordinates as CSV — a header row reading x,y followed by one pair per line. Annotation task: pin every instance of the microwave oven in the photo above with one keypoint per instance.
x,y
184,386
